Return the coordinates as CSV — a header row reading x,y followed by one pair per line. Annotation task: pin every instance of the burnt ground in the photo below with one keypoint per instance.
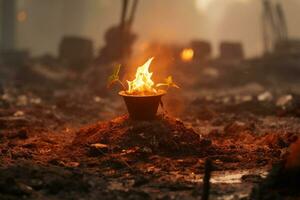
x,y
62,142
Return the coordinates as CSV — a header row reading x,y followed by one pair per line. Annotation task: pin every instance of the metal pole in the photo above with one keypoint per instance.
x,y
122,29
282,22
124,12
133,11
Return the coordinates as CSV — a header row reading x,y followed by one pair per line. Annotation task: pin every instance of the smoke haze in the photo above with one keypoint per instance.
x,y
166,21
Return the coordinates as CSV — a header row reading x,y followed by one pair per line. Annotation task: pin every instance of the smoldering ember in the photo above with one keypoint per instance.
x,y
132,99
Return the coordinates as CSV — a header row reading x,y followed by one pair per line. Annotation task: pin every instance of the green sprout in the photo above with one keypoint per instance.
x,y
169,83
115,78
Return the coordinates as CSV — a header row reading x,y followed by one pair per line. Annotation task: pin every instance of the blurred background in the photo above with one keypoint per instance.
x,y
226,51
39,25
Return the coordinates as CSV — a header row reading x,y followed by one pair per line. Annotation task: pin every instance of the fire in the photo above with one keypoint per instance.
x,y
187,54
142,84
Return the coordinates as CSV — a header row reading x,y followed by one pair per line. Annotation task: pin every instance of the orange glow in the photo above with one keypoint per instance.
x,y
187,54
22,16
142,84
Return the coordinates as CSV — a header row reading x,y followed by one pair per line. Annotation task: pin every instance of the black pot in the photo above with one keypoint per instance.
x,y
142,107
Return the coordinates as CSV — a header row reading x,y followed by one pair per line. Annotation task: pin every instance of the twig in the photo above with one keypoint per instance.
x,y
206,179
112,157
123,86
121,160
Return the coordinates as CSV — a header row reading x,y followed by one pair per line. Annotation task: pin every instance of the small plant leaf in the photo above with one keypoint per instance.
x,y
114,77
168,82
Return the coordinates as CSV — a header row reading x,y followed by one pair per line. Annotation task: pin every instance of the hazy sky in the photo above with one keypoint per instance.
x,y
162,20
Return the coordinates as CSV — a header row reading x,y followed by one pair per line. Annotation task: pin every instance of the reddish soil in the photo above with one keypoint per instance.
x,y
132,159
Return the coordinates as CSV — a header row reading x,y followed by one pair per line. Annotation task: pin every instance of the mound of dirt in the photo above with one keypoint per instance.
x,y
165,135
236,145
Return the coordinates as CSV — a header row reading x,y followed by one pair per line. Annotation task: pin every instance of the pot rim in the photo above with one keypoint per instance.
x,y
160,93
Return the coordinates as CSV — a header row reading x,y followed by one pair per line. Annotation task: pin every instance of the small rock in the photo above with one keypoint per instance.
x,y
100,146
7,97
97,99
265,96
35,100
146,150
26,189
98,149
19,113
247,98
22,100
284,101
226,100
72,164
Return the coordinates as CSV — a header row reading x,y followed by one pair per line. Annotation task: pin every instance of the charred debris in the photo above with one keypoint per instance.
x,y
231,132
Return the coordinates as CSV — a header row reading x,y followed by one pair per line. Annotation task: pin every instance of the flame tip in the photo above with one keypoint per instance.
x,y
142,84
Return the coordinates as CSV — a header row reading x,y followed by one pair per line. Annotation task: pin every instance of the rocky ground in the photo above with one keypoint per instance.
x,y
62,142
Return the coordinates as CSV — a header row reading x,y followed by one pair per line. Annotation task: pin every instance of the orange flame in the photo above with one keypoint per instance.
x,y
187,54
142,84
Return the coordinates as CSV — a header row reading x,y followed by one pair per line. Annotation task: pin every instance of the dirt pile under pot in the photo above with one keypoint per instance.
x,y
165,135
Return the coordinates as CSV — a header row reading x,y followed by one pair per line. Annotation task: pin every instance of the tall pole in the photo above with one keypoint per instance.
x,y
133,11
122,29
265,25
124,12
8,24
282,22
